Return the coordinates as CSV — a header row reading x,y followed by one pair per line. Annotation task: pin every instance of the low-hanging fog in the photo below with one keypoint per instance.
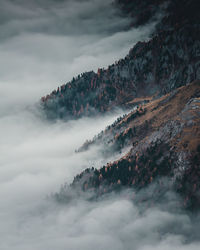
x,y
43,44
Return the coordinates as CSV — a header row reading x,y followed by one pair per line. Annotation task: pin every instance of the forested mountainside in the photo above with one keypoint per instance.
x,y
160,77
164,140
167,61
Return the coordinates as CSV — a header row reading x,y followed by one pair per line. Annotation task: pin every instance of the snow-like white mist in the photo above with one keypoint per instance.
x,y
43,44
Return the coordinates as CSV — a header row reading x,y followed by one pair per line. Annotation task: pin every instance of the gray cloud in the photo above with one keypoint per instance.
x,y
36,157
60,17
111,223
44,44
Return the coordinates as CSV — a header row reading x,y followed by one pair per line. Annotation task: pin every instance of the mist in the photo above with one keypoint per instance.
x,y
43,44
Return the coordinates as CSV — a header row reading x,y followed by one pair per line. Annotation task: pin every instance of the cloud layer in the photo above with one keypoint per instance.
x,y
111,223
43,44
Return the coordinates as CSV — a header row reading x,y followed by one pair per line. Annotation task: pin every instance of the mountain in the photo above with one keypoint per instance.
x,y
163,140
168,60
159,81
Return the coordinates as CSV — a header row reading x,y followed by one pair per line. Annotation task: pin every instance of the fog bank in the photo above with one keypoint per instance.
x,y
43,44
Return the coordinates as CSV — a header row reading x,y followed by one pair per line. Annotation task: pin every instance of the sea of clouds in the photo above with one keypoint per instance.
x,y
43,44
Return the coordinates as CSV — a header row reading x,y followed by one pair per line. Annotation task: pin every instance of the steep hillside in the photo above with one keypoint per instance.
x,y
164,136
167,61
159,81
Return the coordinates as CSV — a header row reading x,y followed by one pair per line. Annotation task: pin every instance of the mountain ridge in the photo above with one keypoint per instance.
x,y
159,81
170,59
164,138
167,61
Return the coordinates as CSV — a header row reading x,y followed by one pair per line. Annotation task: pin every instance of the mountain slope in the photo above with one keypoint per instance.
x,y
164,136
161,136
167,61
